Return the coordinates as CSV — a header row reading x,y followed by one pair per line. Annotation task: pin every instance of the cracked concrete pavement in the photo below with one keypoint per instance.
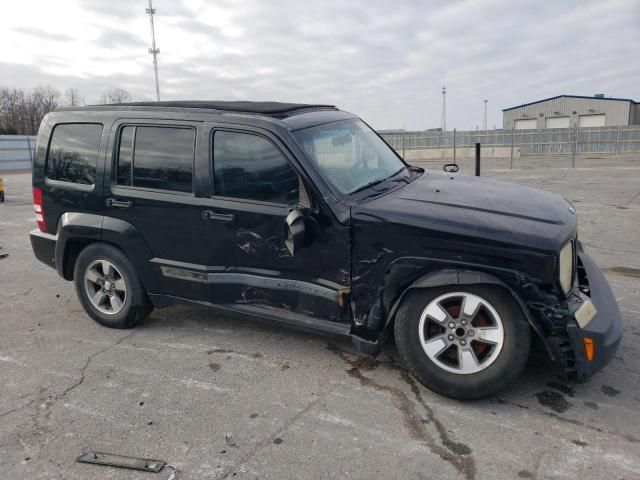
x,y
220,396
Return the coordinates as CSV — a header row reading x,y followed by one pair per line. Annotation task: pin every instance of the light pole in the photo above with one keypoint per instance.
x,y
153,50
443,122
484,125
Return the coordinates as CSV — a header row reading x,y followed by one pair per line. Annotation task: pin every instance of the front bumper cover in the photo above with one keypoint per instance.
x,y
605,329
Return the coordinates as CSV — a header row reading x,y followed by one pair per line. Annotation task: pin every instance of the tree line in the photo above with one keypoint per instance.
x,y
21,111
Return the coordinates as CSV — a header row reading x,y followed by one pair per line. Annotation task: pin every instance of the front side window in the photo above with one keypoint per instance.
x,y
251,167
156,157
349,154
73,152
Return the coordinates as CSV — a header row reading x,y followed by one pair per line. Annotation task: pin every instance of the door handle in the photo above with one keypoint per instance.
x,y
219,217
112,202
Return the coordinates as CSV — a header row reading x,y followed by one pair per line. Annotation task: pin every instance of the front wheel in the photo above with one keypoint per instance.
x,y
463,342
109,288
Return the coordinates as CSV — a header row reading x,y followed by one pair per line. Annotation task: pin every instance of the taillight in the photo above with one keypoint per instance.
x,y
39,209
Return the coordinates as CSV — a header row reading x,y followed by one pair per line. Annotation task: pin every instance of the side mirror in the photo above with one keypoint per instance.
x,y
295,230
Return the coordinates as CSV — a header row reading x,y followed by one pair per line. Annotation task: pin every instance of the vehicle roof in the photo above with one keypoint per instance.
x,y
270,109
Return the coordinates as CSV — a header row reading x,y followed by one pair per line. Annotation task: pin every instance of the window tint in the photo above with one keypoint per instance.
x,y
251,167
156,157
349,154
73,152
125,158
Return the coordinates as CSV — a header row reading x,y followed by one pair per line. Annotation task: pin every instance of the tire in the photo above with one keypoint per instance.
x,y
105,273
1,197
494,343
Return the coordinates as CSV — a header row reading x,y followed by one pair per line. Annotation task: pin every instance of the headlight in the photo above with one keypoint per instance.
x,y
566,267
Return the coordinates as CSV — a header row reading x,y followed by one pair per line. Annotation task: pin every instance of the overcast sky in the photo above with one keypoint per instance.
x,y
385,61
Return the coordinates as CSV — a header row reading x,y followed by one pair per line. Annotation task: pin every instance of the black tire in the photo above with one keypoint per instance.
x,y
136,304
1,196
504,369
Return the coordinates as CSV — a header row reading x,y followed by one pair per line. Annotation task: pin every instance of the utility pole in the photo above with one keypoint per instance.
x,y
443,122
153,50
484,125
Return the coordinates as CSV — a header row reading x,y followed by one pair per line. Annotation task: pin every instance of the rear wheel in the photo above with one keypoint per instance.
x,y
108,287
464,342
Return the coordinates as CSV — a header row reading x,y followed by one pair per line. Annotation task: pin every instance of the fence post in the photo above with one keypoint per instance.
x,y
403,135
618,141
477,159
512,131
30,152
454,146
575,146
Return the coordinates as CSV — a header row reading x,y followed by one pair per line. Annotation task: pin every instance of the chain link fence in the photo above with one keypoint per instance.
x,y
16,151
557,141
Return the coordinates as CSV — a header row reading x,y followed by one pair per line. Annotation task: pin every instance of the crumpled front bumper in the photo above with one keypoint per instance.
x,y
604,329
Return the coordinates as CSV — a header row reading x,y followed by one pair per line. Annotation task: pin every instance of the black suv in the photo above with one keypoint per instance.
x,y
302,214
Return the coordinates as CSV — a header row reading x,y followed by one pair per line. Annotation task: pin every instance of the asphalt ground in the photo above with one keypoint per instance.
x,y
220,396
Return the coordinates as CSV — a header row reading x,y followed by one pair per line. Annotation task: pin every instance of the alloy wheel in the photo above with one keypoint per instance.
x,y
461,332
105,286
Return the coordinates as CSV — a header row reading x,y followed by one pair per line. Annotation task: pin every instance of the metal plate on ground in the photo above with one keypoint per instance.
x,y
109,459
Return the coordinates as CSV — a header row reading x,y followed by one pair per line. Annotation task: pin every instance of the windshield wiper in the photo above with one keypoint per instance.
x,y
379,181
367,185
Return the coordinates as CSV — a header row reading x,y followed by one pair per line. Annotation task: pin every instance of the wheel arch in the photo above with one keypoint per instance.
x,y
78,230
460,277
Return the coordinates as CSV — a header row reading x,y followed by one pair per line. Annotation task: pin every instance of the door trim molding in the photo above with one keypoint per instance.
x,y
259,278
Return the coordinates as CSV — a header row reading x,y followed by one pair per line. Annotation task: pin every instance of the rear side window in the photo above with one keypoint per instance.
x,y
73,152
156,157
251,167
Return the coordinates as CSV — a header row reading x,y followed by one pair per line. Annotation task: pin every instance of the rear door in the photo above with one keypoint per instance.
x,y
255,184
150,184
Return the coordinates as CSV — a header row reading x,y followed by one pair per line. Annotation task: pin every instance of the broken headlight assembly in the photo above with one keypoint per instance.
x,y
566,267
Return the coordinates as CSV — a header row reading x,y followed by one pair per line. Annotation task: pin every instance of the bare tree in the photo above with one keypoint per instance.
x,y
72,97
22,111
41,101
116,95
12,107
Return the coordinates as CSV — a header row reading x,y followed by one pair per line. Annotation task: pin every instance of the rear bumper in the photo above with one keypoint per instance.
x,y
605,329
44,247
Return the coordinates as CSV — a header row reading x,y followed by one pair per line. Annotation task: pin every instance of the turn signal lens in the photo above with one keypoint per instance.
x,y
589,348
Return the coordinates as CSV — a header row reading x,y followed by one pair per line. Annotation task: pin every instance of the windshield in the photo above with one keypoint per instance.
x,y
349,154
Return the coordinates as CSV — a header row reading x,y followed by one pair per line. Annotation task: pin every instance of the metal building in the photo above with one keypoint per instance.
x,y
565,111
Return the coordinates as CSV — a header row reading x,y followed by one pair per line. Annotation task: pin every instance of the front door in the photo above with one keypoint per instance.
x,y
255,185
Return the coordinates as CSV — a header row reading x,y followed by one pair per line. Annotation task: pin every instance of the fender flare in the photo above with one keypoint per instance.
x,y
89,228
74,226
451,276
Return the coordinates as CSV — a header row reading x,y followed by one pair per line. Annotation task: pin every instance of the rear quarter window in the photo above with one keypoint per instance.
x,y
73,152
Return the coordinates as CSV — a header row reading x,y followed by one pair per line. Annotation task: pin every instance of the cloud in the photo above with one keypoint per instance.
x,y
119,38
386,61
43,35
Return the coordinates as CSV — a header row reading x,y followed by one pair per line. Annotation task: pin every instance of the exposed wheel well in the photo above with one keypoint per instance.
x,y
73,249
413,290
460,279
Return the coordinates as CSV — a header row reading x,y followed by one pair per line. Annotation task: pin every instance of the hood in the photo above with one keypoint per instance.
x,y
481,209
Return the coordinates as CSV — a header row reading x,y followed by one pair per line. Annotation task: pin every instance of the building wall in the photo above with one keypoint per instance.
x,y
635,114
617,112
